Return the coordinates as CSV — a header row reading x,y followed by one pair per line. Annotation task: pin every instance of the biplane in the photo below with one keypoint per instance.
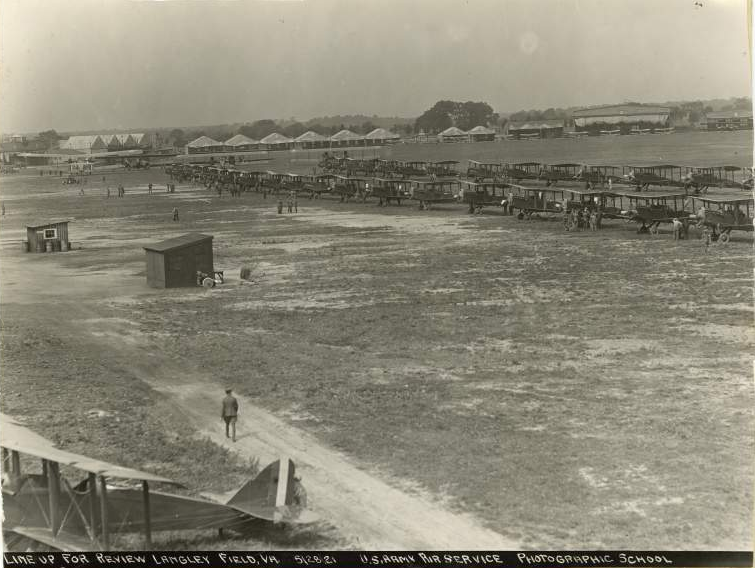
x,y
390,189
481,171
428,192
522,170
350,186
316,184
598,175
45,511
479,194
537,200
411,169
663,175
701,179
552,174
649,211
443,168
725,215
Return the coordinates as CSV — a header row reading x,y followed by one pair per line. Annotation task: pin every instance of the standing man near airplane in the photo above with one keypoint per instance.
x,y
230,413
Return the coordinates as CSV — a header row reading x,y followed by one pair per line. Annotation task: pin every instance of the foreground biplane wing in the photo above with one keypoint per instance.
x,y
44,511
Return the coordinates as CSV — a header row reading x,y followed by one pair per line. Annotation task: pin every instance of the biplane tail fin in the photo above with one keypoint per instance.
x,y
276,494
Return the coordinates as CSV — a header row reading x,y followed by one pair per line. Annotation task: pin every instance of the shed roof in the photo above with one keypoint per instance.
x,y
276,138
204,142
453,131
311,136
178,242
481,130
620,110
381,134
240,140
38,224
346,134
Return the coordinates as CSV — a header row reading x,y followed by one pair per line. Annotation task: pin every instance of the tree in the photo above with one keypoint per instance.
x,y
50,138
742,103
471,114
367,127
177,137
294,130
438,118
259,129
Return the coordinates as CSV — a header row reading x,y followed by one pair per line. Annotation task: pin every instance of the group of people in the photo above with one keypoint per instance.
x,y
579,219
292,204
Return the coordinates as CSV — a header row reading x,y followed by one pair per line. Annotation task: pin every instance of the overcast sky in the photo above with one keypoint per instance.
x,y
98,64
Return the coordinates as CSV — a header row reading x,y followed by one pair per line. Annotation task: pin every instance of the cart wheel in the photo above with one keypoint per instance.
x,y
724,238
208,283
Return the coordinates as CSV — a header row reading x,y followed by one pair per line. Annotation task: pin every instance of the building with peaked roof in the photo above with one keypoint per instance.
x,y
88,144
277,141
624,117
311,139
729,120
453,134
481,134
381,136
551,128
241,143
346,137
203,145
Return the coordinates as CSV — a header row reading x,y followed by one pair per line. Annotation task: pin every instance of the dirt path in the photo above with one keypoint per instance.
x,y
366,510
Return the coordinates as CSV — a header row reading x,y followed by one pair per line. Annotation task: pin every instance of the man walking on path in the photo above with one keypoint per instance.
x,y
230,413
175,213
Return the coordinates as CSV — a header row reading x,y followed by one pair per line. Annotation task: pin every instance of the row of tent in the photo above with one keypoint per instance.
x,y
312,139
275,140
105,142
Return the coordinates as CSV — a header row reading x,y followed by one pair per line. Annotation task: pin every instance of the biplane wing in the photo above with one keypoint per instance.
x,y
49,511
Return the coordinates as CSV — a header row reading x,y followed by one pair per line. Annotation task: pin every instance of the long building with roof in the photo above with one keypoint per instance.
x,y
623,117
381,136
94,143
346,137
729,120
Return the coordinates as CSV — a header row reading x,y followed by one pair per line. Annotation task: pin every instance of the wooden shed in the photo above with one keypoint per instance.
x,y
47,237
174,263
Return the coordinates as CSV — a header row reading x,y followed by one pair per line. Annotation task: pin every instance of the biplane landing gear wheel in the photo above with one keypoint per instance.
x,y
724,238
520,215
208,283
653,230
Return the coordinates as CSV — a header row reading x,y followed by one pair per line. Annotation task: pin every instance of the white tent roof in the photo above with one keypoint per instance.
x,y
82,142
240,140
481,130
203,142
276,138
311,136
453,131
381,134
346,135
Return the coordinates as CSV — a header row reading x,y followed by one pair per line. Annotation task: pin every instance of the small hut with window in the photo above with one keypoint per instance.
x,y
50,236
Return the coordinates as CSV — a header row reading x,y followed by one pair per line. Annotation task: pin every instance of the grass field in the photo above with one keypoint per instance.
x,y
570,390
684,149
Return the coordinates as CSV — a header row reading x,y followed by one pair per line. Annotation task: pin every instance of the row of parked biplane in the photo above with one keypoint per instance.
x,y
648,195
107,505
